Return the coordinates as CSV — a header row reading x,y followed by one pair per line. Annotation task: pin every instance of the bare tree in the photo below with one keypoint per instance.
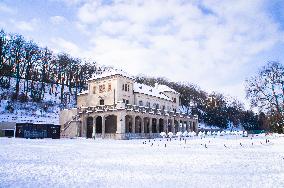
x,y
266,90
17,56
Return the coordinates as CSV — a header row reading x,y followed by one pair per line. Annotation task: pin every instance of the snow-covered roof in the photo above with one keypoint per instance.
x,y
83,92
111,72
148,90
164,88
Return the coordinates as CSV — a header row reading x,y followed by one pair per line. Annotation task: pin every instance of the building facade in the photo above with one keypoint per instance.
x,y
115,106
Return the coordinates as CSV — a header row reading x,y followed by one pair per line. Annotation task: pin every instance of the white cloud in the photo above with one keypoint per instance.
x,y
31,25
208,44
57,20
69,2
25,26
62,45
4,8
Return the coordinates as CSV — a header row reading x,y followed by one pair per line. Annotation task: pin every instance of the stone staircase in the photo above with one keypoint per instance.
x,y
70,128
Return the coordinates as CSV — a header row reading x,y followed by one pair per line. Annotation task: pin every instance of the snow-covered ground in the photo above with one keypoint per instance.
x,y
228,161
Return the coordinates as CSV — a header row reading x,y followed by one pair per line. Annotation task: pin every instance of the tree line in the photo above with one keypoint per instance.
x,y
35,66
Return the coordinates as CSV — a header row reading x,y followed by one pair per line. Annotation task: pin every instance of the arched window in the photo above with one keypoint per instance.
x,y
157,106
148,104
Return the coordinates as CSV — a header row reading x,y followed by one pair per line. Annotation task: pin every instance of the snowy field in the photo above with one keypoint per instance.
x,y
226,162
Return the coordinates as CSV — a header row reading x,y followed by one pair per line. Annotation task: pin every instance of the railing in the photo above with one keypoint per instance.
x,y
106,135
141,135
68,123
134,108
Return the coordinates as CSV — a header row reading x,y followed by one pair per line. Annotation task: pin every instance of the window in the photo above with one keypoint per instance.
x,y
109,87
127,87
174,100
140,103
94,89
102,88
122,87
125,101
102,102
157,106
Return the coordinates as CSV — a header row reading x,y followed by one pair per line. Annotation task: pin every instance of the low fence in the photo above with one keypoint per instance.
x,y
128,135
141,135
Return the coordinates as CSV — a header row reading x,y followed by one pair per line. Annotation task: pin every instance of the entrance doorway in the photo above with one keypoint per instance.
x,y
89,127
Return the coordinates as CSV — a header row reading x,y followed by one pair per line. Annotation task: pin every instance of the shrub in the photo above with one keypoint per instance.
x,y
23,98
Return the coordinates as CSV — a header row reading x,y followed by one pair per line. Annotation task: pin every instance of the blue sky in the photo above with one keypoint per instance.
x,y
214,44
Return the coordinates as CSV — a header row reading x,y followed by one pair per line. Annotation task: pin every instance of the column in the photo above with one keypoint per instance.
x,y
173,128
133,124
103,126
188,126
94,127
83,126
142,125
195,126
120,126
165,126
150,125
123,123
157,125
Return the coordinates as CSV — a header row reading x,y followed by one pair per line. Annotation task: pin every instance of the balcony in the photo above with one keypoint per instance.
x,y
133,108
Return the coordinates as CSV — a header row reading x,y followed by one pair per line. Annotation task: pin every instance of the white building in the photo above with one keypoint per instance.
x,y
118,107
